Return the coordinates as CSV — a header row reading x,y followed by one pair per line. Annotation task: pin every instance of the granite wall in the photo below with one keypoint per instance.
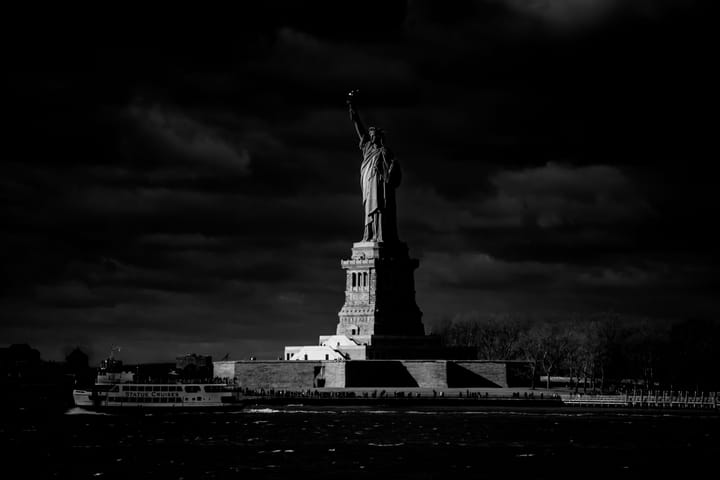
x,y
277,374
428,374
477,374
378,373
333,374
301,375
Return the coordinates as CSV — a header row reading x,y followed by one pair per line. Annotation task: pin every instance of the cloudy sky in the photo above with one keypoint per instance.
x,y
188,181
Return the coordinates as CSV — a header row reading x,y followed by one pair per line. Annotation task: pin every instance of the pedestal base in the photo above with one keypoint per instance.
x,y
379,292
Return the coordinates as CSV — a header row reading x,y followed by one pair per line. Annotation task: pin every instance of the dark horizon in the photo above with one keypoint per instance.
x,y
187,181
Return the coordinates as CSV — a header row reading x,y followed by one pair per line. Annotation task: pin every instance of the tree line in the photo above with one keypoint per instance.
x,y
597,352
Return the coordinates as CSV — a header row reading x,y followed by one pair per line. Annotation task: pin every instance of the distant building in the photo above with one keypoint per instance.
x,y
77,365
77,361
193,366
19,360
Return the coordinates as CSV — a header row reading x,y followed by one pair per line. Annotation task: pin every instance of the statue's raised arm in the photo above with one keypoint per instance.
x,y
354,116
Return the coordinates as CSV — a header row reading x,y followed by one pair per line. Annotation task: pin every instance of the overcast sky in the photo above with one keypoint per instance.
x,y
188,181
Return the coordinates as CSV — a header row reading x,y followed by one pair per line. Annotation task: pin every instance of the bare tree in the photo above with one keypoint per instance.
x,y
555,344
604,338
532,343
499,338
574,360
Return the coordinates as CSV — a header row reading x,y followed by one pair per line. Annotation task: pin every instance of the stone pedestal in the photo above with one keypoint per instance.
x,y
379,293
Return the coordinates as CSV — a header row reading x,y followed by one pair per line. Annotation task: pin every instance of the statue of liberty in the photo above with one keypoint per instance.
x,y
379,177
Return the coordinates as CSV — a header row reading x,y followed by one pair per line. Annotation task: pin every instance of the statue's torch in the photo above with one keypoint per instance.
x,y
352,96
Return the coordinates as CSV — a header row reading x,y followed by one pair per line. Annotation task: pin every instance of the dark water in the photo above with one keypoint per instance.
x,y
292,443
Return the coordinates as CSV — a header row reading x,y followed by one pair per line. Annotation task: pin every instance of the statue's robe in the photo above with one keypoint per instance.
x,y
379,176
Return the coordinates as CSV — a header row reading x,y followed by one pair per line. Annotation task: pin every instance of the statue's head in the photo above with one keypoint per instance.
x,y
377,135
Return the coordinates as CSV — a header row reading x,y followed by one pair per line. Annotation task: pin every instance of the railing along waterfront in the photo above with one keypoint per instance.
x,y
648,399
673,399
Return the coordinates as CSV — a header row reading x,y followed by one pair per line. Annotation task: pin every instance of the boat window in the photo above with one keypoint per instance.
x,y
214,388
192,388
164,389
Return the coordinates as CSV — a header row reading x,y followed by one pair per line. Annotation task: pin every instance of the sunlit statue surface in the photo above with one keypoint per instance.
x,y
379,177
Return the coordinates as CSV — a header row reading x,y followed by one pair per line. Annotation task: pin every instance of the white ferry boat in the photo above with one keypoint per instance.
x,y
117,390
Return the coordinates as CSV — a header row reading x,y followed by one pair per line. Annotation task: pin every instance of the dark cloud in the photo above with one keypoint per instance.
x,y
188,140
188,180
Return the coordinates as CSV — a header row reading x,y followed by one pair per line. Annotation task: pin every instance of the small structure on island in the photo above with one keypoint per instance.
x,y
380,339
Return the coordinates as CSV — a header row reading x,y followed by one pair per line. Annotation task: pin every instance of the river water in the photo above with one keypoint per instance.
x,y
293,442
